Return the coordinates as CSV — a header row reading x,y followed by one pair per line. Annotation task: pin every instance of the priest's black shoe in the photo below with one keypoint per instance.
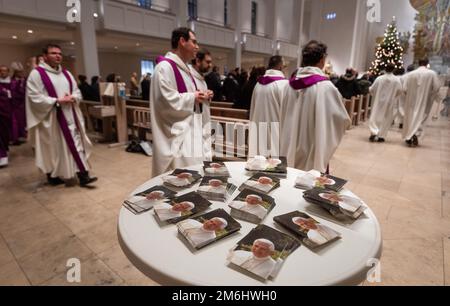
x,y
381,140
415,141
373,138
85,179
400,126
54,181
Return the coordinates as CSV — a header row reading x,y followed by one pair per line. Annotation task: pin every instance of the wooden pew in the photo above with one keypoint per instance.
x,y
222,104
359,101
350,106
230,113
366,107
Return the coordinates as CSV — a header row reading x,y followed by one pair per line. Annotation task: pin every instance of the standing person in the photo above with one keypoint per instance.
x,y
231,87
266,108
200,66
85,88
313,116
55,121
446,102
245,98
348,85
95,85
386,92
173,100
214,83
145,85
5,114
421,86
134,84
18,117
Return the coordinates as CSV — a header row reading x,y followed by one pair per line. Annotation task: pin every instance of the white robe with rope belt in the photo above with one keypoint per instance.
x,y
52,153
265,116
386,91
313,123
421,87
172,119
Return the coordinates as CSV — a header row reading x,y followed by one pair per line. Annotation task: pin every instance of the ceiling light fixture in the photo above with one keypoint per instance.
x,y
30,32
95,15
14,37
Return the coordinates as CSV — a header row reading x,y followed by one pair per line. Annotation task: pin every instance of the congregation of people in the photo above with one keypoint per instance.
x,y
305,110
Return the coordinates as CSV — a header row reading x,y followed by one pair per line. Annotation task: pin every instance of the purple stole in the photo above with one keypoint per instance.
x,y
5,117
5,101
18,117
266,80
60,115
181,86
302,83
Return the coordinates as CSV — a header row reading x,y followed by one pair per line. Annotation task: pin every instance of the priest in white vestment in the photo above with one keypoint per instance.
x,y
386,91
61,145
201,66
313,115
264,136
421,87
173,101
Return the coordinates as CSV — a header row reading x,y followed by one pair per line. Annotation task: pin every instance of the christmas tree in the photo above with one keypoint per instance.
x,y
389,51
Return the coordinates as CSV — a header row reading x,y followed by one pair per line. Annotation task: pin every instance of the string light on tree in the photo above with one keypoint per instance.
x,y
388,51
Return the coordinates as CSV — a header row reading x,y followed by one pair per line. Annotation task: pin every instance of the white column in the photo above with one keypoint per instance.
x,y
86,42
300,34
237,58
276,15
180,9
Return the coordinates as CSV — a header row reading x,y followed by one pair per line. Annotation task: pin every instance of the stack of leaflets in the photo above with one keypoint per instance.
x,y
273,166
181,208
339,204
261,182
251,206
216,188
307,229
315,179
144,201
262,252
181,179
208,228
215,169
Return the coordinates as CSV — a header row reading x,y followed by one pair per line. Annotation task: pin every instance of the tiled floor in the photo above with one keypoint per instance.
x,y
41,227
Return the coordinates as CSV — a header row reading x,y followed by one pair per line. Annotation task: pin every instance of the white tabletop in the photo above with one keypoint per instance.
x,y
160,254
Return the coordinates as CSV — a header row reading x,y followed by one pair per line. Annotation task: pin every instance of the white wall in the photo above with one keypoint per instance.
x,y
211,11
161,4
13,53
336,33
287,23
120,63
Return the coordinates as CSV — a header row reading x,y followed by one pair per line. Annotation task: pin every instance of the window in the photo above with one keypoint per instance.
x,y
225,12
147,4
147,66
254,16
192,9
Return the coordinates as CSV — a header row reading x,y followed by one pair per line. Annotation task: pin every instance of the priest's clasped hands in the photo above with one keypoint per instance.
x,y
203,96
67,99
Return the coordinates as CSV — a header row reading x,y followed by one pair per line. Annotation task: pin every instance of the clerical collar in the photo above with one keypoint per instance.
x,y
5,80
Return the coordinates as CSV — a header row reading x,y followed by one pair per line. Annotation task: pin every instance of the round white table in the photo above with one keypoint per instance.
x,y
160,254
